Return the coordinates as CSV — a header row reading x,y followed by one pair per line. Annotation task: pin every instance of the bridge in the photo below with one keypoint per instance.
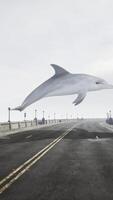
x,y
68,160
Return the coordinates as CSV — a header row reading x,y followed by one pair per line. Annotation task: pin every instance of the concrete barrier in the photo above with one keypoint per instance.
x,y
4,127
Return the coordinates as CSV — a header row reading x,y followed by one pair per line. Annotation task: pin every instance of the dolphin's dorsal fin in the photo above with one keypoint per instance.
x,y
59,70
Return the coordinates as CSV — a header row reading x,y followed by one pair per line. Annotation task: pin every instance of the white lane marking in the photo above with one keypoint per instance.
x,y
29,136
30,162
107,126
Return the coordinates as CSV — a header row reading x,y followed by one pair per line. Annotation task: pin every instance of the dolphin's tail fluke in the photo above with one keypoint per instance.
x,y
19,108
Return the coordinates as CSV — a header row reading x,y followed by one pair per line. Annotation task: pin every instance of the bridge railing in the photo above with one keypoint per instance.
x,y
9,126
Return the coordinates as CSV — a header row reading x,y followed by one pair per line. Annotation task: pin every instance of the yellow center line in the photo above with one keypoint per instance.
x,y
12,177
25,163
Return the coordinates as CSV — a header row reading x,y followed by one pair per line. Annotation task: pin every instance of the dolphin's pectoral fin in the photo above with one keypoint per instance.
x,y
80,98
59,70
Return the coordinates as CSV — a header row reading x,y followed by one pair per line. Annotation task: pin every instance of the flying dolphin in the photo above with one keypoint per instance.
x,y
65,83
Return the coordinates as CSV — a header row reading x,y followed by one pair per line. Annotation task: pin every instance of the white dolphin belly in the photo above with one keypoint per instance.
x,y
66,90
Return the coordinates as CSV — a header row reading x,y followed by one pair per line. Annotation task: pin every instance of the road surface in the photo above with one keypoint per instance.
x,y
72,161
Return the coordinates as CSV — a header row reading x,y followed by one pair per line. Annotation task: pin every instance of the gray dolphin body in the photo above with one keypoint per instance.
x,y
65,83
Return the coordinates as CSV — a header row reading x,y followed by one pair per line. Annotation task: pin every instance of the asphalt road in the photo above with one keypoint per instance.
x,y
72,161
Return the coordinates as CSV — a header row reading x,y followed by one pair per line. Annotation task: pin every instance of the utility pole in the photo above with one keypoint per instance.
x,y
66,116
25,119
43,113
49,118
107,115
35,113
43,119
36,117
24,116
9,117
110,113
54,116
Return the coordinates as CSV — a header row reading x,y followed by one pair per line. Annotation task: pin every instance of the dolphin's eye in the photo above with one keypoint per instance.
x,y
98,82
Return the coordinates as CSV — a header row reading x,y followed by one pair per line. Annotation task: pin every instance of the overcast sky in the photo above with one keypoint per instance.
x,y
75,34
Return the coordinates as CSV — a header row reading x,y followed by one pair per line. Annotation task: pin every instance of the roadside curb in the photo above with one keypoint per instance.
x,y
105,125
3,134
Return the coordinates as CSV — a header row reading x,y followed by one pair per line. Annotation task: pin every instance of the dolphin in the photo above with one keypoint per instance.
x,y
65,83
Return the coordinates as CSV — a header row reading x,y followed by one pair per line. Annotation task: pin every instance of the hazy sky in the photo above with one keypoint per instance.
x,y
75,34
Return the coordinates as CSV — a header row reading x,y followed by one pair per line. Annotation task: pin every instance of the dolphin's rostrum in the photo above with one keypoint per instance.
x,y
65,83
